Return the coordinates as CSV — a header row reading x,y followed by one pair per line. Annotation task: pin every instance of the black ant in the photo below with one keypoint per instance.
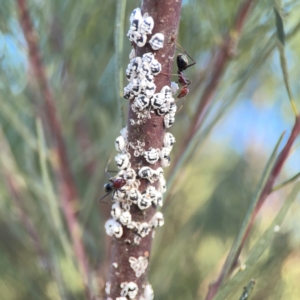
x,y
182,65
115,183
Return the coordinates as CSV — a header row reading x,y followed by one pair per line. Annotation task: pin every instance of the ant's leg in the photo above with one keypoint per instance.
x,y
190,65
105,171
104,196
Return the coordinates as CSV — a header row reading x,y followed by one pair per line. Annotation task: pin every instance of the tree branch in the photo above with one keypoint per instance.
x,y
69,191
226,270
166,15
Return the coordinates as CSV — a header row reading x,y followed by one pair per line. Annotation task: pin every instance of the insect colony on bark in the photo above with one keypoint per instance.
x,y
144,101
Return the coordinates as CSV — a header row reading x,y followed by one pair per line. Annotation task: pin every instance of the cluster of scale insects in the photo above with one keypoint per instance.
x,y
144,101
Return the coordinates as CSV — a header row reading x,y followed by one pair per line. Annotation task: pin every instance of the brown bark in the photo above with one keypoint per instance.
x,y
69,195
166,15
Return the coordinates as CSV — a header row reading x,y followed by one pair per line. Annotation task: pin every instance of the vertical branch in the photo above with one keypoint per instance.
x,y
68,186
166,16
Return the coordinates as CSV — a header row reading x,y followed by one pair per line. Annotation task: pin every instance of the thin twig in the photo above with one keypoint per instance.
x,y
69,197
220,61
266,191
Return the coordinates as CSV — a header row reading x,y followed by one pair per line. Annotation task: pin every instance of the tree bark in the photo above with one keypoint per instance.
x,y
166,15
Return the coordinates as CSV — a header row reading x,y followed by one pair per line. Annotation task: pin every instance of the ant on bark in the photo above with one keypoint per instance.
x,y
115,183
182,65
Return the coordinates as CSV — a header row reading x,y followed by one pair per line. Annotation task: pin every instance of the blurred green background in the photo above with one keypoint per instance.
x,y
213,190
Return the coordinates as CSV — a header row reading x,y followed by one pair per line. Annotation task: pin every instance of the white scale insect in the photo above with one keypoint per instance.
x,y
148,292
130,176
152,155
134,195
169,120
169,140
139,265
150,174
164,157
140,26
157,220
140,103
125,217
120,144
157,41
129,289
144,202
116,211
112,227
157,100
144,229
122,161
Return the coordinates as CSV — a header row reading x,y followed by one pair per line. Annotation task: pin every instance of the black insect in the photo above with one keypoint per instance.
x,y
114,184
182,65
